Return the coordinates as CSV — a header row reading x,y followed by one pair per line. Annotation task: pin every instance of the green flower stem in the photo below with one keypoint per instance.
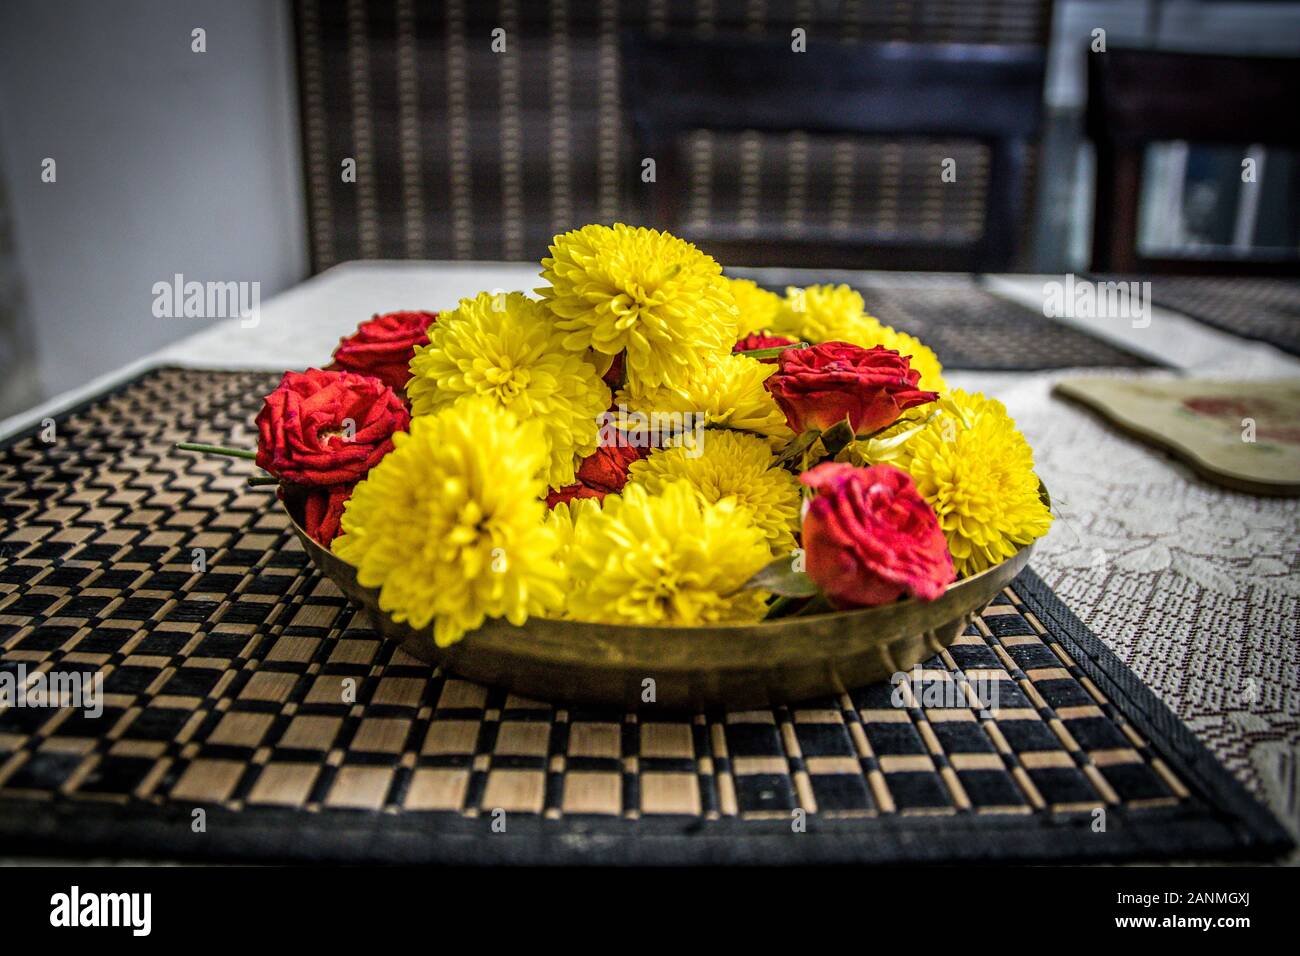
x,y
258,480
772,352
217,450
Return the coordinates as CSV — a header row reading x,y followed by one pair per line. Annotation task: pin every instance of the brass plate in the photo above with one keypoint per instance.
x,y
733,666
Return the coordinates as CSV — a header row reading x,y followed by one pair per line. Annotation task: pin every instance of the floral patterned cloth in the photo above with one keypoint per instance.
x,y
1195,587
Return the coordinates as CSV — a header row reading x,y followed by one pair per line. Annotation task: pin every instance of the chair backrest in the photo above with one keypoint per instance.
x,y
480,128
1138,97
982,95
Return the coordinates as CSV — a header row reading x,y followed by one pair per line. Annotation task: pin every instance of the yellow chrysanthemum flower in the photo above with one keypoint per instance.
x,y
977,472
731,465
825,313
757,307
668,558
563,520
505,347
658,297
728,392
449,524
923,358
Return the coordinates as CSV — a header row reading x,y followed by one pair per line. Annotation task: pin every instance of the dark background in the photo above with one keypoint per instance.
x,y
225,165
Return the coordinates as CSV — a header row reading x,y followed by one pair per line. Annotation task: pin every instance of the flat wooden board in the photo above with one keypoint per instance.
x,y
1243,435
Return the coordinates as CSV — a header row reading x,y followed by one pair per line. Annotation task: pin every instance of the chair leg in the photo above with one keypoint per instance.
x,y
1115,208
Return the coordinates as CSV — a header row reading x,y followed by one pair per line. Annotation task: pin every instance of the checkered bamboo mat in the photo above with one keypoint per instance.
x,y
970,327
1263,309
239,682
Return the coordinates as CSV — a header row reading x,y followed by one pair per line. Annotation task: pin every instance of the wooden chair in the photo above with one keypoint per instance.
x,y
1138,97
987,94
464,150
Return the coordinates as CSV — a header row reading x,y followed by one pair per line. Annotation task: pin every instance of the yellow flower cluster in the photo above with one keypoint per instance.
x,y
665,303
507,399
505,347
757,307
977,472
825,313
728,392
731,465
666,558
449,525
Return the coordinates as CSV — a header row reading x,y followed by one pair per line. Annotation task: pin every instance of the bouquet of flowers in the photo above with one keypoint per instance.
x,y
646,442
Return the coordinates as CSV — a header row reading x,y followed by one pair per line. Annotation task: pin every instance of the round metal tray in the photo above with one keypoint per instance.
x,y
734,666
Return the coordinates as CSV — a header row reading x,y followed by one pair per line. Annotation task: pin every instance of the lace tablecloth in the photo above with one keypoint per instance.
x,y
1195,587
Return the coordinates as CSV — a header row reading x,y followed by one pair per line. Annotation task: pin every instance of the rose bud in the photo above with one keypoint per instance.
x,y
327,428
322,510
819,386
757,340
383,346
869,537
603,472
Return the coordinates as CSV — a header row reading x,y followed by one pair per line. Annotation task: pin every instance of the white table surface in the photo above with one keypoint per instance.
x,y
301,326
1194,587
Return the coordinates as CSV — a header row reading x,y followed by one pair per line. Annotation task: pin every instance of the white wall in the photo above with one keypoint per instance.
x,y
167,161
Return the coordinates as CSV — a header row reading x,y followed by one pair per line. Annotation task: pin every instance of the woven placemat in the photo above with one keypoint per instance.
x,y
1267,310
971,328
240,683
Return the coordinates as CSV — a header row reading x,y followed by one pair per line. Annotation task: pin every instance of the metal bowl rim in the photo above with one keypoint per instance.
x,y
853,615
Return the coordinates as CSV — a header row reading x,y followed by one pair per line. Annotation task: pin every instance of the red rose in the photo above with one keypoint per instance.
x,y
383,346
869,537
757,340
569,492
603,472
606,468
819,386
322,511
327,428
